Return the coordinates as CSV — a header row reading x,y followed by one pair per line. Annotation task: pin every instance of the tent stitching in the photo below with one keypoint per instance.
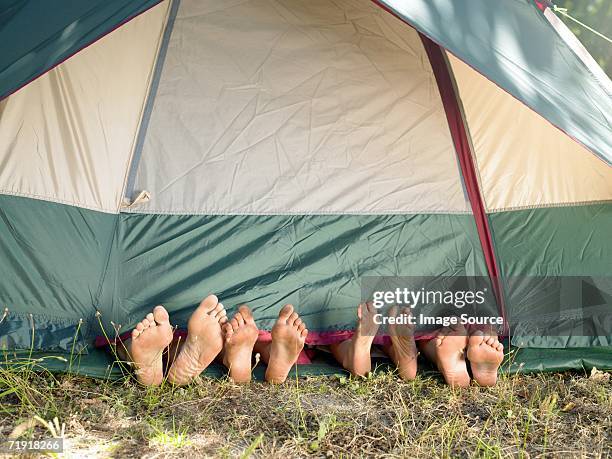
x,y
128,186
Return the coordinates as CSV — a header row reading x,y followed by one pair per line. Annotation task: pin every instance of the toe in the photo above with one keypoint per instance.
x,y
140,327
228,330
246,313
360,311
304,333
477,338
370,307
301,327
292,318
209,303
222,315
239,319
285,312
499,347
160,315
297,322
150,317
145,323
234,323
216,310
135,333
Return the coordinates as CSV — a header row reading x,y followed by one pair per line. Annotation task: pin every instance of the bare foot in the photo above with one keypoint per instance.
x,y
485,354
240,336
288,336
203,343
403,350
354,353
447,351
149,339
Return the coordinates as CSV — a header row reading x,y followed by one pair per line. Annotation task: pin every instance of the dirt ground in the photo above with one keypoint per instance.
x,y
545,415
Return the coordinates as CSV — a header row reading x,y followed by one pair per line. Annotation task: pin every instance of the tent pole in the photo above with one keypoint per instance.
x,y
459,134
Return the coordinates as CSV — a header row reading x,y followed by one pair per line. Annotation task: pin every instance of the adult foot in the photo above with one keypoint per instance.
x,y
147,344
403,350
203,343
288,337
447,351
485,354
354,353
240,337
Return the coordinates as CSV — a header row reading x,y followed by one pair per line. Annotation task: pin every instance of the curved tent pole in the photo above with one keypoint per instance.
x,y
459,134
462,143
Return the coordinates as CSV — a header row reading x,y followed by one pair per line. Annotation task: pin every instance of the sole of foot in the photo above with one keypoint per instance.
x,y
240,336
403,350
147,344
288,338
203,343
485,354
354,353
447,351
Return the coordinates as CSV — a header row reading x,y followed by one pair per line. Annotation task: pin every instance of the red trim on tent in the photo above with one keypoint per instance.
x,y
542,4
87,45
313,339
450,101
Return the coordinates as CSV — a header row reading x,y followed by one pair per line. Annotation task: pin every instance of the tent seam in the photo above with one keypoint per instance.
x,y
150,80
460,135
550,205
293,213
466,127
56,201
44,316
96,302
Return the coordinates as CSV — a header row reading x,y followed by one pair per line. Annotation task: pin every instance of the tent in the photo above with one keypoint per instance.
x,y
276,151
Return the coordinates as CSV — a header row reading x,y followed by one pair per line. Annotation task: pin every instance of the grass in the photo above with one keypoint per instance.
x,y
524,416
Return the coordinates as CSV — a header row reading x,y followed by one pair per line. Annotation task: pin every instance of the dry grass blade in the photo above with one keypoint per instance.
x,y
553,415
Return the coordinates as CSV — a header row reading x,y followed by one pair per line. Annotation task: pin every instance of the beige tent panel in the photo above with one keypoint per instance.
x,y
294,107
68,136
523,160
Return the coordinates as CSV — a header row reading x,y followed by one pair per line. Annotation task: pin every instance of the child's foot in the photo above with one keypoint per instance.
x,y
447,351
485,354
203,343
149,340
240,337
288,337
354,353
403,350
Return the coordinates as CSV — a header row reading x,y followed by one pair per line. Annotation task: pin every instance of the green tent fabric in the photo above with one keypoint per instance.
x,y
39,35
276,153
526,64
